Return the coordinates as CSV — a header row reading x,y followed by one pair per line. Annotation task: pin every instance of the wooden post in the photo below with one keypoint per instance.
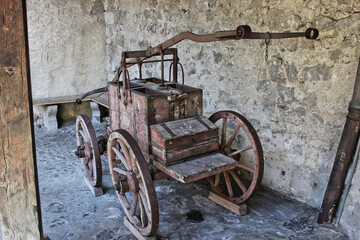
x,y
19,192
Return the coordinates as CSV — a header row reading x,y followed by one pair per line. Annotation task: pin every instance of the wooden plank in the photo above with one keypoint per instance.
x,y
184,127
19,192
97,191
136,233
238,209
57,100
201,167
102,99
175,140
171,156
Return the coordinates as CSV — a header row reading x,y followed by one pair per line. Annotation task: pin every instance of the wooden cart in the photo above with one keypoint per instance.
x,y
156,130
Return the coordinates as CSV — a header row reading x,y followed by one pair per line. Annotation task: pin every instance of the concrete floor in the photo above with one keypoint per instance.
x,y
70,211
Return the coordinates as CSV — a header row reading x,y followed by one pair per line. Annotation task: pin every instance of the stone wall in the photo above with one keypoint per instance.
x,y
297,100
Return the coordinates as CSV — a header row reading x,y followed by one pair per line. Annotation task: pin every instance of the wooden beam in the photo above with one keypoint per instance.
x,y
238,209
19,192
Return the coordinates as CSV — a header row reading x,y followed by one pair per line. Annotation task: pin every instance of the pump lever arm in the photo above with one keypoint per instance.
x,y
241,32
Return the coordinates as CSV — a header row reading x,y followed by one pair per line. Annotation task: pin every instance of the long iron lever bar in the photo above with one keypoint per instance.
x,y
241,32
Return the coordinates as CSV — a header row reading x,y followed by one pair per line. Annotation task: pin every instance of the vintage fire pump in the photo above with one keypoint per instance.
x,y
156,130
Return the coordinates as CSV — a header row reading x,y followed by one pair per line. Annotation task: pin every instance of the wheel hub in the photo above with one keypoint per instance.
x,y
80,151
133,182
88,151
127,183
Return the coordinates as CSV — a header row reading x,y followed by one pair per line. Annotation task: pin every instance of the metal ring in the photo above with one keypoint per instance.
x,y
242,31
311,33
267,40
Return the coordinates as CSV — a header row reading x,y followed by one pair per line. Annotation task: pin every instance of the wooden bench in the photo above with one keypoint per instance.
x,y
51,106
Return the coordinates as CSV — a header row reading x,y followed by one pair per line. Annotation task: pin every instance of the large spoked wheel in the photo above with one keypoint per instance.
x,y
88,150
238,140
133,183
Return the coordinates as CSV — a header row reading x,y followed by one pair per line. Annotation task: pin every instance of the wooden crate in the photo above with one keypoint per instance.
x,y
151,105
174,141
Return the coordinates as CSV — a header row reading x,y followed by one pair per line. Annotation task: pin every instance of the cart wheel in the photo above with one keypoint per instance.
x,y
133,183
88,150
239,140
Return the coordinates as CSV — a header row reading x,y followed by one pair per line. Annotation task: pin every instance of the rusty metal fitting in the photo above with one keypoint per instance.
x,y
79,152
88,150
354,113
311,33
242,31
149,51
121,186
102,143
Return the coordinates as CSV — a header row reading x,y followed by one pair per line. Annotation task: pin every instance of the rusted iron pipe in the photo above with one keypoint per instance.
x,y
348,183
343,156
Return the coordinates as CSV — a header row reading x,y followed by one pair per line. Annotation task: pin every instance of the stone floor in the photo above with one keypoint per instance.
x,y
70,211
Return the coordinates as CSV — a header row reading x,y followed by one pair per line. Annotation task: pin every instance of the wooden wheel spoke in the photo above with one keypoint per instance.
x,y
136,170
134,204
140,203
232,138
83,135
238,126
119,170
88,150
126,153
223,133
121,157
228,184
85,130
240,151
246,168
142,213
144,198
238,181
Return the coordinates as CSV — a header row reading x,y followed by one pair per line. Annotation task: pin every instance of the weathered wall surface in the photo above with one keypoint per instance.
x,y
67,48
297,100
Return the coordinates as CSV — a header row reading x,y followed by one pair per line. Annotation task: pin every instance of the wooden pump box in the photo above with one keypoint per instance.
x,y
176,140
150,105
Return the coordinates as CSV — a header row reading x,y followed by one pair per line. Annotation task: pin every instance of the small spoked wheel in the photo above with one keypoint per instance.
x,y
133,183
238,140
88,150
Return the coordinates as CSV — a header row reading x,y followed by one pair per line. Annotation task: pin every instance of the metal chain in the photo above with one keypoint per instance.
x,y
267,42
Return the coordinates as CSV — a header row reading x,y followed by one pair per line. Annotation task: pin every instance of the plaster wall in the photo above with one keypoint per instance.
x,y
297,100
67,50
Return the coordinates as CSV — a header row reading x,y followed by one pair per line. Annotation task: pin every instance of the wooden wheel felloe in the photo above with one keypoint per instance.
x,y
239,140
133,183
88,150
